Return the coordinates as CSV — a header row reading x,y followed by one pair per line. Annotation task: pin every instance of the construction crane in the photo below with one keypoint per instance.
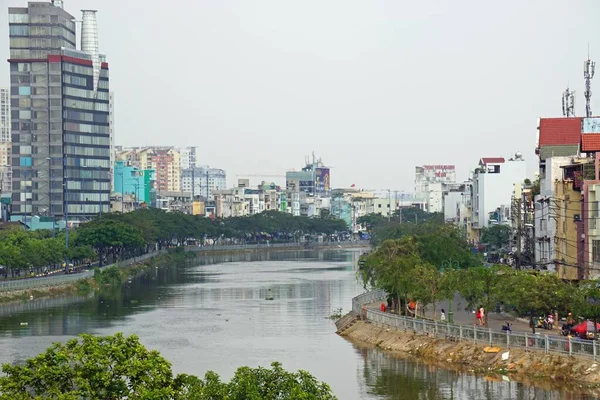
x,y
260,176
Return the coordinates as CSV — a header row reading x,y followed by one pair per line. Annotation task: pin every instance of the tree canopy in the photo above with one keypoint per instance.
x,y
118,367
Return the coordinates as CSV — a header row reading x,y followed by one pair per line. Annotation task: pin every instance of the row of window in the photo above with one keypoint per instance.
x,y
86,128
75,209
86,105
88,151
89,140
89,197
88,185
86,116
86,163
26,42
85,93
75,80
77,69
35,54
18,18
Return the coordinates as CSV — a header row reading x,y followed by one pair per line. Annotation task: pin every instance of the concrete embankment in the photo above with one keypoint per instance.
x,y
518,364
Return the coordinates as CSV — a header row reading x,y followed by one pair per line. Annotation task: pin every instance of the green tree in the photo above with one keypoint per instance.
x,y
118,367
109,235
391,267
496,236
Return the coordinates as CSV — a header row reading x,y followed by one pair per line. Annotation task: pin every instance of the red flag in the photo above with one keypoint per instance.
x,y
353,185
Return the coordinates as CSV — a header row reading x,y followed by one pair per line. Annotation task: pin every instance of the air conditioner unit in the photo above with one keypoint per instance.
x,y
577,218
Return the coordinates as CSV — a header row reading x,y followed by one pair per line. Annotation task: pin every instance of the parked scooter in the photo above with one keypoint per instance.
x,y
507,327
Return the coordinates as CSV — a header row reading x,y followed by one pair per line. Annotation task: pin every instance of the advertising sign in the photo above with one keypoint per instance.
x,y
590,125
322,180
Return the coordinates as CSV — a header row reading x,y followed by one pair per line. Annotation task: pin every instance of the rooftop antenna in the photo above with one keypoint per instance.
x,y
568,103
589,67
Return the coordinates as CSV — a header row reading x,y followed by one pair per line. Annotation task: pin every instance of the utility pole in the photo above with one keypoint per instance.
x,y
519,234
389,205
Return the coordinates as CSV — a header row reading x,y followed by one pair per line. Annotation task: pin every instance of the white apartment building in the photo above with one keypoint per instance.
x,y
429,181
493,186
456,200
203,181
189,157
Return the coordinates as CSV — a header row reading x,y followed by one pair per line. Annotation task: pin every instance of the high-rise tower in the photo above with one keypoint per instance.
x,y
60,114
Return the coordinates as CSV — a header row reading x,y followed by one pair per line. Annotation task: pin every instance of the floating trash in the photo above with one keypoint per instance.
x,y
24,323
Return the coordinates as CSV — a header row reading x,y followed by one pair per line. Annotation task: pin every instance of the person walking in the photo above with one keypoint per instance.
x,y
443,316
481,316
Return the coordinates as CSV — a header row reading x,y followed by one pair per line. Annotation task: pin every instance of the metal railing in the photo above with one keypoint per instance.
x,y
367,298
546,343
299,245
61,279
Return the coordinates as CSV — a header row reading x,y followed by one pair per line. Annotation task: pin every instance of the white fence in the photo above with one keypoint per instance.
x,y
523,340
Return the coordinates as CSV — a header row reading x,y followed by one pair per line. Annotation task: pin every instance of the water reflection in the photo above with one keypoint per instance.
x,y
386,377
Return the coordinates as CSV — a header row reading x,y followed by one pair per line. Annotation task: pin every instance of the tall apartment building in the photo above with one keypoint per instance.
x,y
203,181
189,157
5,142
167,164
59,113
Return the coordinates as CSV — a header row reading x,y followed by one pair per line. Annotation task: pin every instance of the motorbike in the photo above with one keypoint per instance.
x,y
507,327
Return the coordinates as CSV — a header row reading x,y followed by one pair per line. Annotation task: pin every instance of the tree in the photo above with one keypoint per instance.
x,y
391,267
496,236
107,234
118,367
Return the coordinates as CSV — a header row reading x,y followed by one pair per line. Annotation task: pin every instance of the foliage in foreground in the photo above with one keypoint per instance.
x,y
118,367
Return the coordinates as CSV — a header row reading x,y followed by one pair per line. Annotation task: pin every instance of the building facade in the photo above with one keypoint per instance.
x,y
5,125
189,157
429,183
203,181
130,180
59,114
493,186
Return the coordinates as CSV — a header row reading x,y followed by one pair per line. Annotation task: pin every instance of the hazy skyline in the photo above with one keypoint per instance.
x,y
374,88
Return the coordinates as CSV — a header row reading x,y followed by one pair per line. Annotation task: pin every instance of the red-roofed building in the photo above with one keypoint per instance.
x,y
590,142
491,160
559,131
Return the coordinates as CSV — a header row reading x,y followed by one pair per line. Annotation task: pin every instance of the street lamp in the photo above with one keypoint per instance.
x,y
447,265
66,187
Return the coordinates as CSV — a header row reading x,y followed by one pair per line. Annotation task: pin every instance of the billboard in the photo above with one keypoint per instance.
x,y
590,125
322,183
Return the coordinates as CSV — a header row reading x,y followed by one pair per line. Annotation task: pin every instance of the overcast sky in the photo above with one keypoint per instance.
x,y
373,87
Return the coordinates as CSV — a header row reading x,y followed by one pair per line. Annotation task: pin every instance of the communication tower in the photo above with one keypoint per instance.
x,y
589,68
568,103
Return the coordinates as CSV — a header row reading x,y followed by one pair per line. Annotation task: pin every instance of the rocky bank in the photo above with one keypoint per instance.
x,y
520,365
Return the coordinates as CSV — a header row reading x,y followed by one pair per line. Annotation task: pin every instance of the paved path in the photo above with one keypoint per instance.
x,y
495,320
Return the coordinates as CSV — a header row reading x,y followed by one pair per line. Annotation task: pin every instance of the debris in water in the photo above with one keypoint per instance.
x,y
24,323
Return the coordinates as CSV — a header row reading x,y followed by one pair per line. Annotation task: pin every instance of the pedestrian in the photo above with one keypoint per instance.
x,y
382,307
481,316
478,317
443,316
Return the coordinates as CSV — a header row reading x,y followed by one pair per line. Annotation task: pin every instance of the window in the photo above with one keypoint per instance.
x,y
24,114
25,162
596,251
18,30
18,18
24,90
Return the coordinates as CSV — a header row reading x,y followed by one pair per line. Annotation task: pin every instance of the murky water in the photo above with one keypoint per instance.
x,y
213,315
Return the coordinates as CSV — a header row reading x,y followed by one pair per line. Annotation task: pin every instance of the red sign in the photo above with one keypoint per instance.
x,y
440,167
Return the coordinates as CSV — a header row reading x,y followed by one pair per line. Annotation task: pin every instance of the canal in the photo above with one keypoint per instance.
x,y
213,315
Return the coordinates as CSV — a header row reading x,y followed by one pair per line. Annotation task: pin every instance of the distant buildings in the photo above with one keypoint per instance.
x,y
203,181
493,186
429,185
60,114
